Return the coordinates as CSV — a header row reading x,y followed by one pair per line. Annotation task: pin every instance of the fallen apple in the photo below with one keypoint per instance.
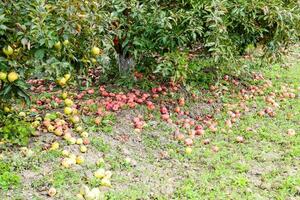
x,y
52,192
105,182
68,110
100,173
83,148
188,150
79,160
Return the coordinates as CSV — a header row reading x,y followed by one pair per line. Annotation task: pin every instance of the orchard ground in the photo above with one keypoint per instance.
x,y
254,153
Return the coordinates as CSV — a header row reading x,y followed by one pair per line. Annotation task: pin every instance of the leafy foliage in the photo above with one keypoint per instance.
x,y
14,130
8,178
54,40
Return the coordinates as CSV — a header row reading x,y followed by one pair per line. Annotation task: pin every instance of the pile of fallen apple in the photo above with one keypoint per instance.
x,y
68,125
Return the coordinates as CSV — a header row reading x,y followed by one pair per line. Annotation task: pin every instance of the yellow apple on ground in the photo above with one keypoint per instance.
x,y
22,114
79,129
72,140
188,150
108,174
54,146
84,190
52,192
75,119
62,81
80,197
100,173
105,182
67,162
68,102
68,110
84,134
79,141
79,160
65,153
83,148
64,95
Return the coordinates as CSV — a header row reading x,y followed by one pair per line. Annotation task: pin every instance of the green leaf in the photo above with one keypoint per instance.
x,y
6,90
39,54
23,95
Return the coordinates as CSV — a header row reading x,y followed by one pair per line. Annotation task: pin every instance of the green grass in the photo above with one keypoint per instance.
x,y
9,180
99,144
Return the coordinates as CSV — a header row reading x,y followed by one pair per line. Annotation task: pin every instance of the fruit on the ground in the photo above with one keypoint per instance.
x,y
65,153
50,128
181,101
35,124
240,139
86,141
206,141
91,91
108,174
215,148
84,190
68,110
62,81
80,197
100,173
67,162
95,51
84,134
58,132
98,120
12,76
64,95
3,76
72,140
79,129
75,111
83,148
188,150
22,114
8,51
67,136
291,132
95,193
188,142
79,160
54,146
68,102
52,192
75,119
105,182
79,141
